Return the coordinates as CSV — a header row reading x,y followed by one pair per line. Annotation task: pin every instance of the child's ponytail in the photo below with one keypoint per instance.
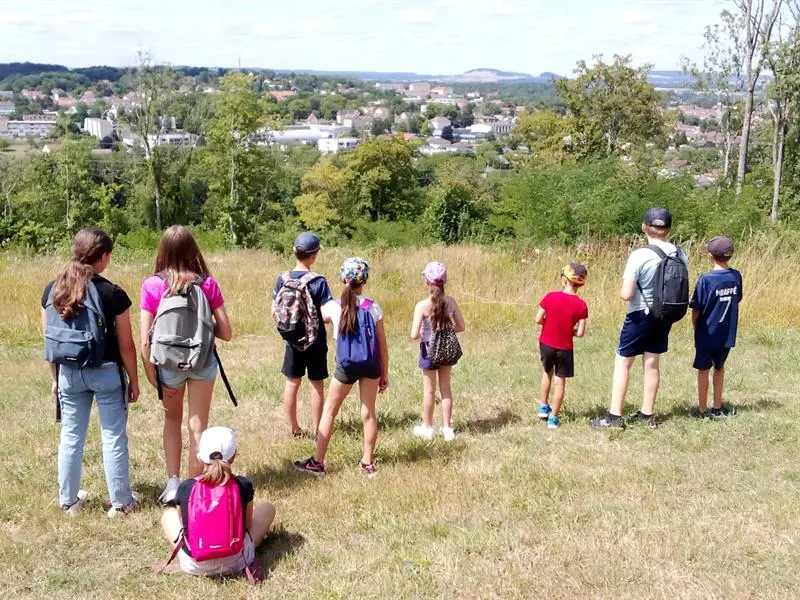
x,y
439,315
218,472
349,302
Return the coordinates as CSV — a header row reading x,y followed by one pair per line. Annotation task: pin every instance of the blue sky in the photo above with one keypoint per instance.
x,y
432,37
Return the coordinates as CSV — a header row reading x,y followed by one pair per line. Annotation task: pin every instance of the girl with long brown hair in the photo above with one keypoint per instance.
x,y
76,385
362,356
179,265
435,313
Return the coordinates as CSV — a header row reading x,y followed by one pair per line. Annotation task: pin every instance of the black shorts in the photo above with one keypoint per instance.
x,y
560,362
643,333
312,363
342,376
705,358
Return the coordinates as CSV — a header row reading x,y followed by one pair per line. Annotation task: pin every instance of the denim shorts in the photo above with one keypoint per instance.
x,y
175,378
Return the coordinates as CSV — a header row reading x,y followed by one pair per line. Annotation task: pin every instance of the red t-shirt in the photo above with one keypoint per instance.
x,y
563,311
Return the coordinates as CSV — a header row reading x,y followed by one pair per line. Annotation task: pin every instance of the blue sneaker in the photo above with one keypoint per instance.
x,y
544,411
552,422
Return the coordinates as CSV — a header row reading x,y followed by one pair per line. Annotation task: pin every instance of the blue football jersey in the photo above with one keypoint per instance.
x,y
717,296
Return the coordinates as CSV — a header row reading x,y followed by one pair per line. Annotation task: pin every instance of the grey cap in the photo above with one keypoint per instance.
x,y
720,247
306,242
658,217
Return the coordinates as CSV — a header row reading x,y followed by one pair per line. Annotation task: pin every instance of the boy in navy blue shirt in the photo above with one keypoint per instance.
x,y
313,362
715,318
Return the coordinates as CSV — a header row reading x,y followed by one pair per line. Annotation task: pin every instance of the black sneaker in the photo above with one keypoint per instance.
x,y
722,411
607,421
311,467
701,415
640,417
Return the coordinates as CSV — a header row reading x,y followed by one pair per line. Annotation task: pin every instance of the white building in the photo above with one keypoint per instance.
x,y
6,108
98,128
298,135
40,128
334,145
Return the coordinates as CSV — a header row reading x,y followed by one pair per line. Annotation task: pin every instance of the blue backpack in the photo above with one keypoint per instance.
x,y
80,341
358,352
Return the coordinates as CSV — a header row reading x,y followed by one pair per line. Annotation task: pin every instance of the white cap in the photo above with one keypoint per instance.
x,y
216,439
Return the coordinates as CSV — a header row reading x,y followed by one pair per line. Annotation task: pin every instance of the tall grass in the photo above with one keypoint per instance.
x,y
509,510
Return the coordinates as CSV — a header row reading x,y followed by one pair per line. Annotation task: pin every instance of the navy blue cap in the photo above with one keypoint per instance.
x,y
658,217
306,242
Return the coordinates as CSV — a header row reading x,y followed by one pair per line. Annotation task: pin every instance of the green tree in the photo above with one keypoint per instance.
x,y
384,178
612,104
155,87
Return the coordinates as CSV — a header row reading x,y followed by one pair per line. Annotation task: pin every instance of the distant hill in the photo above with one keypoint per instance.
x,y
670,79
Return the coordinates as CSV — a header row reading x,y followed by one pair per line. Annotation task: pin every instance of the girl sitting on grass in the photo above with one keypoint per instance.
x,y
209,538
362,357
434,314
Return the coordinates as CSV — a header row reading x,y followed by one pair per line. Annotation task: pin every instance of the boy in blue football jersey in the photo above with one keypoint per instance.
x,y
715,317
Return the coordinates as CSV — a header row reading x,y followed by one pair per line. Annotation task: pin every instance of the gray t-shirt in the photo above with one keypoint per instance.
x,y
641,268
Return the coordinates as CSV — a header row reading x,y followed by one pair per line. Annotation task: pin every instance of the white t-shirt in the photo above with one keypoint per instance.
x,y
641,268
333,311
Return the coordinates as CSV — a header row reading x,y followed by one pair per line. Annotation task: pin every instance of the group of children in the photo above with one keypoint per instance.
x,y
646,329
213,520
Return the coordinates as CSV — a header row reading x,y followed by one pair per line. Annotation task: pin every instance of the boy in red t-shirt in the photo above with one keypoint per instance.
x,y
562,316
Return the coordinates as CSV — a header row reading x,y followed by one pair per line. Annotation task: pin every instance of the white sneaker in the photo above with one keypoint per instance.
x,y
73,510
448,434
423,432
136,502
170,491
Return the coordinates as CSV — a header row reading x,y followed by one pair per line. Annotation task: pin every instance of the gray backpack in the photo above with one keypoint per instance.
x,y
182,335
80,341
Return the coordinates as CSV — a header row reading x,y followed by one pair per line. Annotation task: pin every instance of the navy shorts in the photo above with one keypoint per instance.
x,y
642,333
705,358
312,363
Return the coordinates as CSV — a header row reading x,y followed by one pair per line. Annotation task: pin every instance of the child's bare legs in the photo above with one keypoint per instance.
x,y
290,391
172,435
719,385
619,385
446,390
200,393
337,392
368,389
317,402
702,390
558,394
171,525
263,516
652,379
428,396
547,380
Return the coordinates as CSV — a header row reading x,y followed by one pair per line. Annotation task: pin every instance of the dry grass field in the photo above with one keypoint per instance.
x,y
694,509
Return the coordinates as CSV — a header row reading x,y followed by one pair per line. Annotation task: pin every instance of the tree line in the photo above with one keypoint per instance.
x,y
586,166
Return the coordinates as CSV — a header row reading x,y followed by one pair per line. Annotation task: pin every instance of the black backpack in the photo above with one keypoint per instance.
x,y
670,287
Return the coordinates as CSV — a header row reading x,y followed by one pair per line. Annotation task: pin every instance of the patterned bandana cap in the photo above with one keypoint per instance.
x,y
576,274
355,271
435,273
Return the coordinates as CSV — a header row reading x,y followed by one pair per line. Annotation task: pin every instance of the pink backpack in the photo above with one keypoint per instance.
x,y
216,523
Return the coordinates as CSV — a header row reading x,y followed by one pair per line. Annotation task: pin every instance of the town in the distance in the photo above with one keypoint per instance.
x,y
41,104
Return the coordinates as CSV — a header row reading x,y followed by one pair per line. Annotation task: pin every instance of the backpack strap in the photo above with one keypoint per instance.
x,y
58,396
309,277
661,254
224,377
180,544
366,304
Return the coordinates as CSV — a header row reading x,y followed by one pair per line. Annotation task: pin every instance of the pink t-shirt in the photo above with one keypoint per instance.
x,y
153,289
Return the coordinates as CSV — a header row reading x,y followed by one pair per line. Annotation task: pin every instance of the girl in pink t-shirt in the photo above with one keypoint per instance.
x,y
178,265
